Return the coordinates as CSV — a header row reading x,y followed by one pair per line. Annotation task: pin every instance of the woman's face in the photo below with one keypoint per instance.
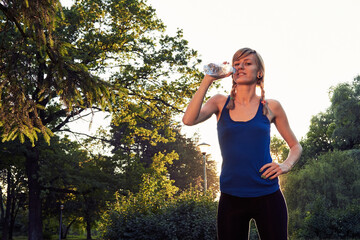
x,y
246,70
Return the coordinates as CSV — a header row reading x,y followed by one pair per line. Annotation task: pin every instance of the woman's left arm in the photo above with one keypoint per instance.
x,y
280,120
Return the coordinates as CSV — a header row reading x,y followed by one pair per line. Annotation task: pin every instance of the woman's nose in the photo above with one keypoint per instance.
x,y
240,66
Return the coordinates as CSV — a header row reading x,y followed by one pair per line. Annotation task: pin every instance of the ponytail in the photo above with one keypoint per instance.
x,y
231,104
263,101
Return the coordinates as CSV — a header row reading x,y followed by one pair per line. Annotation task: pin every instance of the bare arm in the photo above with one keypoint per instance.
x,y
195,112
273,170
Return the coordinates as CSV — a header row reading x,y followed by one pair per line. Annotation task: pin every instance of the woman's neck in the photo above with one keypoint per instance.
x,y
245,94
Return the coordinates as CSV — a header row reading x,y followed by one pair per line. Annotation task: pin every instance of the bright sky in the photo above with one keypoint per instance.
x,y
308,46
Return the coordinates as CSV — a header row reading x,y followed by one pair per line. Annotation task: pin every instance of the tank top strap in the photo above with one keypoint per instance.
x,y
260,110
226,103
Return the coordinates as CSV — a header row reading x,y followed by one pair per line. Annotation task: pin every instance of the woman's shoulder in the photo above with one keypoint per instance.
x,y
273,104
275,108
219,99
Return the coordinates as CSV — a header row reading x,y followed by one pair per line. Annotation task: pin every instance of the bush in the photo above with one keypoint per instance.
x,y
324,223
322,196
191,215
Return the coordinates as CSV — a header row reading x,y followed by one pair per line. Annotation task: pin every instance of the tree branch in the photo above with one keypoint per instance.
x,y
12,18
158,100
86,135
61,113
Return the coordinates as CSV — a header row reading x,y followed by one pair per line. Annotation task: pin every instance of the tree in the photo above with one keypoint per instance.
x,y
278,149
71,176
319,138
324,192
189,169
13,185
53,63
155,212
338,127
345,104
331,180
136,156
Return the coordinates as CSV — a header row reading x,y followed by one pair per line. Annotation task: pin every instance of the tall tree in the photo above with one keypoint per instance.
x,y
135,153
84,183
319,138
53,63
322,194
338,127
345,104
189,169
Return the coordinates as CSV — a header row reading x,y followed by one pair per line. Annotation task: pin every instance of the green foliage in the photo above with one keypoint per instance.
x,y
12,187
107,55
337,127
324,194
345,103
33,19
323,222
279,149
319,138
135,152
82,182
191,215
156,212
334,179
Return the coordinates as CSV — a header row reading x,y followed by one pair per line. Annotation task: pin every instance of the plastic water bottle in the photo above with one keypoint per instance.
x,y
217,70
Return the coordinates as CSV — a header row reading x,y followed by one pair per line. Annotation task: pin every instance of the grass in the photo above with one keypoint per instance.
x,y
54,237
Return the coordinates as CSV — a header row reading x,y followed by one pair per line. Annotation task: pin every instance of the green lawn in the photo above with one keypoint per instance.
x,y
70,237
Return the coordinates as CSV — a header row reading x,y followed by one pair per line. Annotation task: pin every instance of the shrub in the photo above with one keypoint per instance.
x,y
191,215
324,223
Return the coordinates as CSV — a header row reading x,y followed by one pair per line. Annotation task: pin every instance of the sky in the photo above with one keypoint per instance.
x,y
308,46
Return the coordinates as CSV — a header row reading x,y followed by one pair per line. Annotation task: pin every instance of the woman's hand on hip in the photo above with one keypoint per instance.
x,y
273,170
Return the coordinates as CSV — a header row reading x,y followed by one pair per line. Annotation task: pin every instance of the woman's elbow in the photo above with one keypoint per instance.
x,y
299,148
187,121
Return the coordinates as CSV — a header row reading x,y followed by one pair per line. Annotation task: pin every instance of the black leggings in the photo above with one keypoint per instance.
x,y
269,213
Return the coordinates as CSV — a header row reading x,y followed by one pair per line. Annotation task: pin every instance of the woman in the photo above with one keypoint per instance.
x,y
249,178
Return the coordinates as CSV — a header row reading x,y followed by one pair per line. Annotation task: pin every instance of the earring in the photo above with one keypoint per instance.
x,y
259,76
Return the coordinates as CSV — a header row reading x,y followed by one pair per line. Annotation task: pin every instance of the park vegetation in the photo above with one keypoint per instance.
x,y
139,177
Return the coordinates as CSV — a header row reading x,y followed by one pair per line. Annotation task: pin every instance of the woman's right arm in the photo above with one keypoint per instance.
x,y
195,113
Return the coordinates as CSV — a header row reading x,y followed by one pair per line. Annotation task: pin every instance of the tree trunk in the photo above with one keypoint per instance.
x,y
68,228
6,224
32,168
12,213
2,214
12,221
88,229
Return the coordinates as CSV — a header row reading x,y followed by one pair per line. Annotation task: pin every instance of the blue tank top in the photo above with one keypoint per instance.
x,y
245,148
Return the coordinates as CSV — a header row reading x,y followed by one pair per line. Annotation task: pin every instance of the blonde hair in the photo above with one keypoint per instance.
x,y
241,53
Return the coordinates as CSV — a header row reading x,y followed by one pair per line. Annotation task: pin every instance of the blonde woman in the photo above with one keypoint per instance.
x,y
249,178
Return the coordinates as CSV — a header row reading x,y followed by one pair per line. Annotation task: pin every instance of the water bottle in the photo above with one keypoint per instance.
x,y
216,70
